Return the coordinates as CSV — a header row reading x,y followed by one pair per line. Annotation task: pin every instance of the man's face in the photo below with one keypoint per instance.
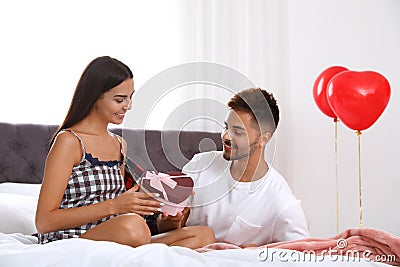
x,y
240,139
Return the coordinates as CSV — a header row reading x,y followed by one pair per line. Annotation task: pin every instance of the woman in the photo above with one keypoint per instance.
x,y
83,192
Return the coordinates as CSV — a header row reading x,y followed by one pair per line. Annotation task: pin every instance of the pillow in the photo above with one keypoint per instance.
x,y
21,189
17,213
18,207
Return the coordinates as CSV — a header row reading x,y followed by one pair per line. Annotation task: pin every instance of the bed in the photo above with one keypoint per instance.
x,y
22,154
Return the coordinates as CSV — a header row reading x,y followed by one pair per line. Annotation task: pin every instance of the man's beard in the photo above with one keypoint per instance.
x,y
252,149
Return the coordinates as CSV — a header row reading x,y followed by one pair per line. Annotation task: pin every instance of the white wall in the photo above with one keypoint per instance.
x,y
360,35
45,45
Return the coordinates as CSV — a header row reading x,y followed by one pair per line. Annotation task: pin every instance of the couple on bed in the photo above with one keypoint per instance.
x,y
239,198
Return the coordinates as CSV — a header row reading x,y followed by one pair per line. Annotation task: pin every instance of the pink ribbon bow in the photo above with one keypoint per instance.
x,y
156,181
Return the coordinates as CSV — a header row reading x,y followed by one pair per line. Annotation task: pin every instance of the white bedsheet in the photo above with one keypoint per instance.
x,y
21,250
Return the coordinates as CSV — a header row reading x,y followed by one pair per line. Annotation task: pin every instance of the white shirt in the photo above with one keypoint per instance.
x,y
259,212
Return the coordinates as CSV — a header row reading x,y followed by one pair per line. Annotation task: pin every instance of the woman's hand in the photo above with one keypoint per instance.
x,y
133,201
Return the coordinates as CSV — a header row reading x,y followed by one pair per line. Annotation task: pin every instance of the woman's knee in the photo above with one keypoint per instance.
x,y
134,229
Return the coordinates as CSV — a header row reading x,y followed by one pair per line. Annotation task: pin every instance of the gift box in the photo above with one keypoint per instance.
x,y
174,189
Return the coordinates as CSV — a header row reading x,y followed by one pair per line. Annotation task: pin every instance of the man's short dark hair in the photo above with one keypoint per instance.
x,y
260,103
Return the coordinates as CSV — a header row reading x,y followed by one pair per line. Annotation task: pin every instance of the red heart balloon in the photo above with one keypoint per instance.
x,y
358,98
320,87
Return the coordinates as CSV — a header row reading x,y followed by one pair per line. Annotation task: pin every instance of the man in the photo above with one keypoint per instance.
x,y
237,193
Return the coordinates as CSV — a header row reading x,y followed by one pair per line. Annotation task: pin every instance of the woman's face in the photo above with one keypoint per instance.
x,y
114,103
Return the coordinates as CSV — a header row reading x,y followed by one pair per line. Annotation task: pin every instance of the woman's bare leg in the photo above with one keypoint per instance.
x,y
190,237
128,229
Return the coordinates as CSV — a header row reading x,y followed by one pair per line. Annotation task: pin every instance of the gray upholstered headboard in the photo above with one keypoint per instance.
x,y
23,149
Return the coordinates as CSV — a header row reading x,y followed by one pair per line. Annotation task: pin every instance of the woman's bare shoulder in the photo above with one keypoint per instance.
x,y
68,144
66,138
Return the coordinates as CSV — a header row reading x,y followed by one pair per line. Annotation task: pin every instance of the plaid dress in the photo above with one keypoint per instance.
x,y
91,181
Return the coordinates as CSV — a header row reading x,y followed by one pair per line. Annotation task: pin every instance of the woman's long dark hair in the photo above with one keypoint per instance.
x,y
101,75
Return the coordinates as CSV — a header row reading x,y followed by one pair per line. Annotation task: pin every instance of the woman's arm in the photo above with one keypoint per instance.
x,y
66,153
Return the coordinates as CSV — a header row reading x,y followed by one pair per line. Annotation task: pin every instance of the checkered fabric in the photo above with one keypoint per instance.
x,y
133,173
92,181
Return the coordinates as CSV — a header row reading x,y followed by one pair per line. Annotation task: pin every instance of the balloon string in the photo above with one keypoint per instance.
x,y
359,175
337,179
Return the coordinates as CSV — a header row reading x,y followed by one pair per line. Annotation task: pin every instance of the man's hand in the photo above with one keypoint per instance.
x,y
166,222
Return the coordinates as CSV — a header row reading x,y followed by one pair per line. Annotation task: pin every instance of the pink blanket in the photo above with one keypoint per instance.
x,y
374,244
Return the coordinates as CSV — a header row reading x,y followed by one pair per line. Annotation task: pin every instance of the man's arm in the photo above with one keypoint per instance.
x,y
167,223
